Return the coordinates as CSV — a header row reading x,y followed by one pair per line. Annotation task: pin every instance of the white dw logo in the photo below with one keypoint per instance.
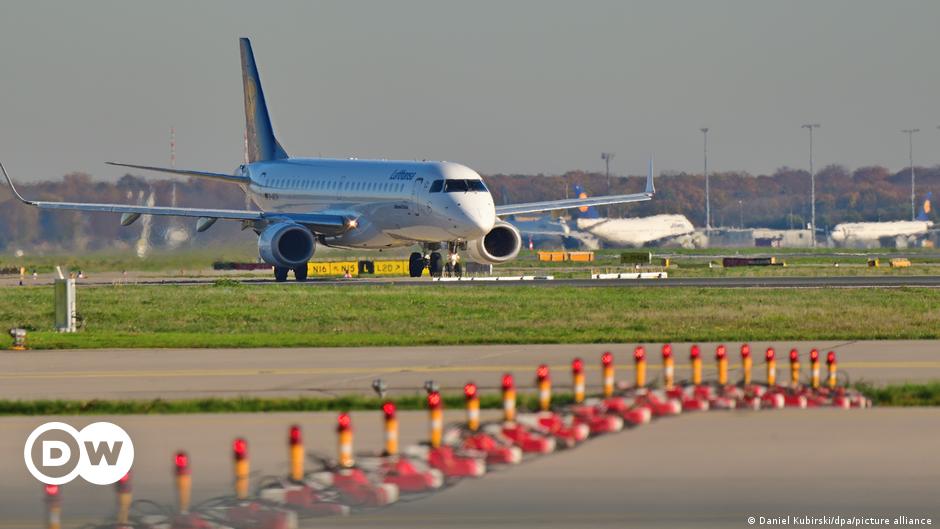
x,y
56,453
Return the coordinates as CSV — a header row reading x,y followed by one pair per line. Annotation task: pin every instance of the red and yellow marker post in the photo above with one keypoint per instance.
x,y
669,367
831,364
639,358
295,453
184,483
607,372
242,467
695,356
794,368
390,429
344,434
473,406
124,499
544,382
577,380
771,366
53,507
435,419
746,363
814,368
509,399
721,357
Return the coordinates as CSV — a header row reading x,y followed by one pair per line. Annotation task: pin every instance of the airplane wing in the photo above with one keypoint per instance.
x,y
531,207
321,223
238,179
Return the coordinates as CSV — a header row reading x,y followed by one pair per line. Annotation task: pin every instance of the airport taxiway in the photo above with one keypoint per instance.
x,y
846,281
280,372
697,470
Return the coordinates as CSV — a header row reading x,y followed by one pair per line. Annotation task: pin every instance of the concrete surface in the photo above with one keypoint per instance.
x,y
698,470
185,373
202,278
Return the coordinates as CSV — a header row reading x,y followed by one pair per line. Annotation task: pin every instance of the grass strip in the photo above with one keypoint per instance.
x,y
376,315
903,395
248,405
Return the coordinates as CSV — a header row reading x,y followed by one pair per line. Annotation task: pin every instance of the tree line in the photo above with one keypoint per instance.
x,y
778,200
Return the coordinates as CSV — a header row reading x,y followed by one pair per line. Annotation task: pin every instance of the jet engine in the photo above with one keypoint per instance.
x,y
286,244
501,244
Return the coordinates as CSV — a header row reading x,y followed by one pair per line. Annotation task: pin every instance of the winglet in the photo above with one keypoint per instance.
x,y
650,188
13,187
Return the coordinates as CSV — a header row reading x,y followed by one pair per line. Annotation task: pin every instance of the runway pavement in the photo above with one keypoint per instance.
x,y
697,470
186,373
861,281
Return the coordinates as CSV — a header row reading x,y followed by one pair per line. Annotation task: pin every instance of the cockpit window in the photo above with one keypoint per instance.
x,y
456,186
476,185
436,186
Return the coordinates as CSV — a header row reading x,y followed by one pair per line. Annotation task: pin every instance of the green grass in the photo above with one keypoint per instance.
x,y
903,395
271,315
248,405
899,395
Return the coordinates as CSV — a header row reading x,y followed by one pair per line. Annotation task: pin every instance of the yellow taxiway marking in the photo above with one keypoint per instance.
x,y
295,371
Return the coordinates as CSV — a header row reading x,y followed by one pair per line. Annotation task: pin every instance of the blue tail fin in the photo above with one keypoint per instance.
x,y
925,207
589,212
262,145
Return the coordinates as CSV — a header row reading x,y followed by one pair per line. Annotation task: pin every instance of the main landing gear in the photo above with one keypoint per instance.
x,y
433,262
436,263
300,273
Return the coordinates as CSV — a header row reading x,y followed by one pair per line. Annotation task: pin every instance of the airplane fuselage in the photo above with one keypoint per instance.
x,y
398,202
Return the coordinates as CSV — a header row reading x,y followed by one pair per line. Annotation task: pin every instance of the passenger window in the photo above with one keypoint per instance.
x,y
436,186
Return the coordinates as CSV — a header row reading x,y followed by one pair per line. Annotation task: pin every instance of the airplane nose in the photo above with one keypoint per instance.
x,y
478,220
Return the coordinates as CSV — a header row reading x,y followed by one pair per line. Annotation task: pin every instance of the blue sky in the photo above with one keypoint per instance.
x,y
521,86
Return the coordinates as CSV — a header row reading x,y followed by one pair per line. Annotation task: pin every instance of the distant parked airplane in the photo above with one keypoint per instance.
x,y
588,230
350,203
892,233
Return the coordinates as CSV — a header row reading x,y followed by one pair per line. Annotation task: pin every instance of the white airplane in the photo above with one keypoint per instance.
x,y
350,203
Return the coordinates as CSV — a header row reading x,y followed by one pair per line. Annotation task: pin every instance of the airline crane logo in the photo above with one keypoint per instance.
x,y
56,453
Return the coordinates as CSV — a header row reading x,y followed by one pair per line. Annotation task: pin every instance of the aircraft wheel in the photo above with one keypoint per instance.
x,y
415,264
436,266
280,273
300,272
458,270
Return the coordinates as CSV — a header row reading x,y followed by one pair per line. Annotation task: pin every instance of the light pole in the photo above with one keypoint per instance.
x,y
812,179
708,207
741,210
910,148
607,157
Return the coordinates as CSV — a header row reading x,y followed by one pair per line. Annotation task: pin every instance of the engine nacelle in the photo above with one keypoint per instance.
x,y
501,244
286,244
